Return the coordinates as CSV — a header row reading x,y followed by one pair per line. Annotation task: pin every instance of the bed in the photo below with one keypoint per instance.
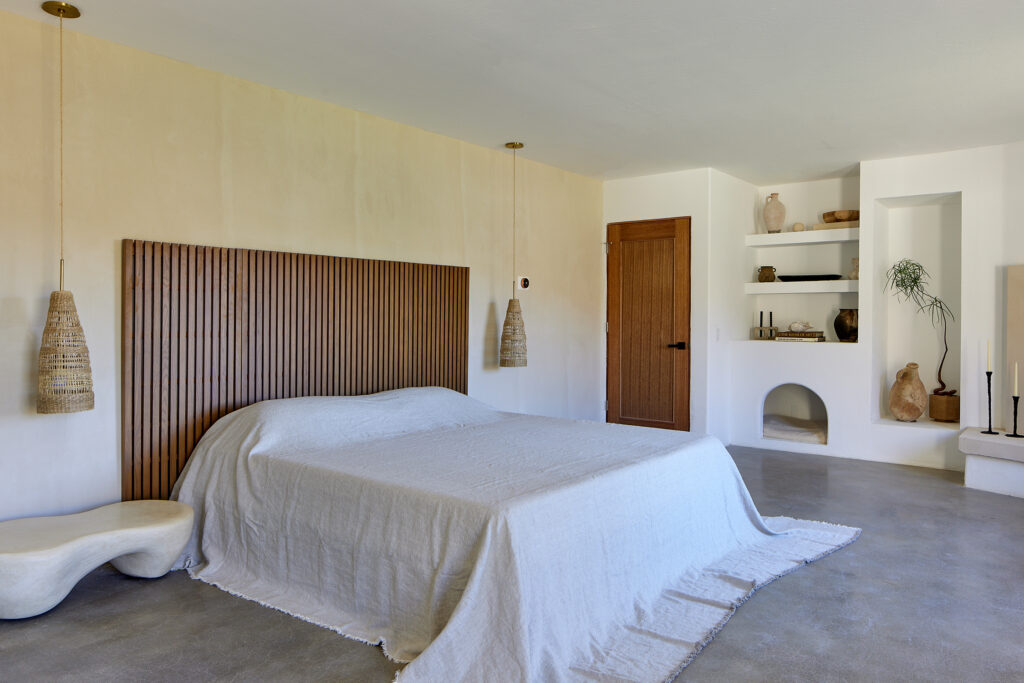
x,y
315,409
480,545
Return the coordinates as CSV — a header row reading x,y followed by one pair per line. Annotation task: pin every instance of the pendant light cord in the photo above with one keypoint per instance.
x,y
514,276
60,98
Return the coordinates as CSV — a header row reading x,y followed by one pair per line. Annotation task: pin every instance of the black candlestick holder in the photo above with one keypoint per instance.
x,y
988,377
1015,435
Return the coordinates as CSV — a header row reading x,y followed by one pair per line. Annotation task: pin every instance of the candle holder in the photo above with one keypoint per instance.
x,y
988,378
1015,435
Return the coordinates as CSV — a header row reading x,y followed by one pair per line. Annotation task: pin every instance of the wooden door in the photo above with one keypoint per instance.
x,y
649,323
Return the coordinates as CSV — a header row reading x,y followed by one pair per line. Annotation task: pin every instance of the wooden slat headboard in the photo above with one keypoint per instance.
x,y
208,330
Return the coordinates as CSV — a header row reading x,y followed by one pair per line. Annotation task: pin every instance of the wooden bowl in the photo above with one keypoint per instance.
x,y
841,216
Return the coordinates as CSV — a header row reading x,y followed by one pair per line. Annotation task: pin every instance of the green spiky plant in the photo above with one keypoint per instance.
x,y
909,280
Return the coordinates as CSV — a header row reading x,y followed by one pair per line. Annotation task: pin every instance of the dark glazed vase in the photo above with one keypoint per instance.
x,y
845,325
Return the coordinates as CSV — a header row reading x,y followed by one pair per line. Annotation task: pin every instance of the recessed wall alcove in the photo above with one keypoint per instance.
x,y
927,229
792,412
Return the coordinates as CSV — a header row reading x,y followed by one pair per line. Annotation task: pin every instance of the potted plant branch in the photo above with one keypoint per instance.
x,y
909,280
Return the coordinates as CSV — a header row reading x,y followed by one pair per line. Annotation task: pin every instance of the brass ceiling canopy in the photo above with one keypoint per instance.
x,y
62,10
510,145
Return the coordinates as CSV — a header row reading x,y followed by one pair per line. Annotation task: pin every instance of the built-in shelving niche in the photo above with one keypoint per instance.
x,y
792,412
928,229
803,253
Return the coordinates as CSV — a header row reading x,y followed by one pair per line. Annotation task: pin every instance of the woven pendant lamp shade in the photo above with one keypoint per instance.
x,y
65,375
513,338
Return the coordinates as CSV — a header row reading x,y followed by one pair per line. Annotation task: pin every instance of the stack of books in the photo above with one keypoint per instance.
x,y
808,336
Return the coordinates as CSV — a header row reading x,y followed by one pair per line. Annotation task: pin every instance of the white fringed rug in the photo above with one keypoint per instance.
x,y
692,611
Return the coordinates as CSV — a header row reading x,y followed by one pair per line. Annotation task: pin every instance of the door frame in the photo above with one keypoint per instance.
x,y
681,318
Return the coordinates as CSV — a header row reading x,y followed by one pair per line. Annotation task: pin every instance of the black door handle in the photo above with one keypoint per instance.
x,y
677,345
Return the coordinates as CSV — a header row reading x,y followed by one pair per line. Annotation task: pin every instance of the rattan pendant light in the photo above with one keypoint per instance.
x,y
65,374
513,332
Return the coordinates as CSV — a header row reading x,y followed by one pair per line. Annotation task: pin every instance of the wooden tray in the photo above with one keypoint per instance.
x,y
836,226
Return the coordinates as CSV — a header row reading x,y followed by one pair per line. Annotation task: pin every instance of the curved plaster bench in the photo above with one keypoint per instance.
x,y
42,558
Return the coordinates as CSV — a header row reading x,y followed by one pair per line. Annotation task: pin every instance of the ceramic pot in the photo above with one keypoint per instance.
x,y
845,325
766,274
855,271
774,212
908,398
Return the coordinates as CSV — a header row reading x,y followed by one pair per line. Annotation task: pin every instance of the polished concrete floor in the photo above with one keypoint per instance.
x,y
932,591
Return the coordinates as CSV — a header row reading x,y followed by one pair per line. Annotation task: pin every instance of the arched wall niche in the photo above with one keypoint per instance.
x,y
793,412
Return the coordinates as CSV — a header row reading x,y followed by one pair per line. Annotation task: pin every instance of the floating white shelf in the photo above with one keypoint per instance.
x,y
802,345
814,287
807,237
922,422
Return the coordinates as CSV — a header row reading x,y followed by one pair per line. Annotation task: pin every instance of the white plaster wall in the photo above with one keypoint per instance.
x,y
160,150
732,202
759,367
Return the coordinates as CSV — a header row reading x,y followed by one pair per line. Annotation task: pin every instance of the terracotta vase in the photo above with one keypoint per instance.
x,y
845,325
766,274
774,212
908,398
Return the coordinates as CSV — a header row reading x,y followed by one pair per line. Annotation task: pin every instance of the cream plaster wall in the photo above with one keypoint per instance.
x,y
160,150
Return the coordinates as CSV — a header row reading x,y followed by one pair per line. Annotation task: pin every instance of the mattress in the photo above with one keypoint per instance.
x,y
479,545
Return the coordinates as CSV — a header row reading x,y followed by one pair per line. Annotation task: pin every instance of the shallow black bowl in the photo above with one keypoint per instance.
x,y
808,278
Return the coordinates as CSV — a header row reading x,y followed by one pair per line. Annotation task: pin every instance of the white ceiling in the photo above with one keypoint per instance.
x,y
768,90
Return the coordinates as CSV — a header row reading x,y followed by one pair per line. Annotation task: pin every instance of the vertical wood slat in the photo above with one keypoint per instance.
x,y
127,365
227,322
258,330
189,380
150,319
329,349
166,293
238,330
180,352
207,330
205,375
349,331
272,301
216,337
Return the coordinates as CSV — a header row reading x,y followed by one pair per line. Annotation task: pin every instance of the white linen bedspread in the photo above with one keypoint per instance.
x,y
485,546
